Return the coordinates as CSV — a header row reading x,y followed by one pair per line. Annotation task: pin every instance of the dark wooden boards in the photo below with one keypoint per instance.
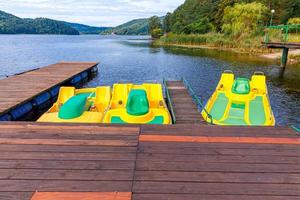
x,y
185,109
62,161
18,89
79,158
216,171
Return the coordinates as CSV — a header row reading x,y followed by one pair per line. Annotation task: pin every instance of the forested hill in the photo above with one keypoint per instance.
x,y
134,27
85,29
200,16
10,24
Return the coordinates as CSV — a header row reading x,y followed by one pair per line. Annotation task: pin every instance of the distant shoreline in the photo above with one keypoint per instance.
x,y
263,53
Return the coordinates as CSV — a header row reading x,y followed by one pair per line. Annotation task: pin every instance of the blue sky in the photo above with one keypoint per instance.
x,y
92,12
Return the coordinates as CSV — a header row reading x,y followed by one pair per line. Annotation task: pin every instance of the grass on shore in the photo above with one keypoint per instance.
x,y
221,41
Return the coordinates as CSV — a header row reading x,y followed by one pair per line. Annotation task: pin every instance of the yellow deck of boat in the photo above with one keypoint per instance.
x,y
46,161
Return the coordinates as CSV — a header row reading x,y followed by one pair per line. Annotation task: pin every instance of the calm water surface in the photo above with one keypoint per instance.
x,y
133,59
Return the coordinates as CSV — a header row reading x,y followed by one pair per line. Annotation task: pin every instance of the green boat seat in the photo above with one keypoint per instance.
x,y
74,107
137,103
156,120
257,115
219,107
241,86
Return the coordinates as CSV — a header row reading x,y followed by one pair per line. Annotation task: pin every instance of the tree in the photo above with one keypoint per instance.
x,y
244,19
220,12
200,26
157,33
167,23
155,26
295,20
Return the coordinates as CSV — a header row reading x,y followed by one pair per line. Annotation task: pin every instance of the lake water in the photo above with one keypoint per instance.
x,y
134,59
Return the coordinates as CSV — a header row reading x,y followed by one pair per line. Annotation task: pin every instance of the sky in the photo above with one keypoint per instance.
x,y
90,12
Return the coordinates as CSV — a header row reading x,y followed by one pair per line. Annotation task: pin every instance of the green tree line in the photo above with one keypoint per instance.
x,y
10,24
231,17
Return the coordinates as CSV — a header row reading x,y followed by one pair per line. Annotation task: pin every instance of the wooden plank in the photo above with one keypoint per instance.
x,y
54,135
218,177
67,164
207,139
206,130
82,196
66,156
209,197
64,186
50,174
199,165
215,188
34,127
215,146
222,150
221,158
68,142
66,148
16,195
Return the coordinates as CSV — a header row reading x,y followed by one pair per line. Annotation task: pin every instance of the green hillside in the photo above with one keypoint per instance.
x,y
134,27
10,24
85,29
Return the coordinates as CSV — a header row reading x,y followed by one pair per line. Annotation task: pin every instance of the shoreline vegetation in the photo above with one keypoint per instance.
x,y
230,25
251,46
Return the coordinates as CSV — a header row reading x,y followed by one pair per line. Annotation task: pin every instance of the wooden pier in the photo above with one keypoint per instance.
x,y
185,110
43,161
184,161
285,46
19,89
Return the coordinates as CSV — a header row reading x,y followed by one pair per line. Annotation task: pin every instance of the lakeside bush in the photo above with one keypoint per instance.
x,y
243,20
218,40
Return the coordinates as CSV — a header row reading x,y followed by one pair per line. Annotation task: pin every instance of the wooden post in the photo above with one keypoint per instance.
x,y
284,57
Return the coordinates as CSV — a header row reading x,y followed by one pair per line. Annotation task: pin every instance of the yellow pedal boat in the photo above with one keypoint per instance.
x,y
137,104
240,101
79,105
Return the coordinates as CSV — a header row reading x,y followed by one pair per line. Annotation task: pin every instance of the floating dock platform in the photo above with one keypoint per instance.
x,y
24,95
184,161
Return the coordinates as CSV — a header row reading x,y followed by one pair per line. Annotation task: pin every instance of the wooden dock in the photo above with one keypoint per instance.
x,y
185,110
285,46
19,89
185,161
282,45
43,161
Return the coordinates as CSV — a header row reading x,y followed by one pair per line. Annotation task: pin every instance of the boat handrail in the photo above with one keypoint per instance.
x,y
170,104
228,71
296,128
259,73
196,99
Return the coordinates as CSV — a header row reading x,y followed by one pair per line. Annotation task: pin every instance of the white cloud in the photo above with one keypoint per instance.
x,y
92,12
